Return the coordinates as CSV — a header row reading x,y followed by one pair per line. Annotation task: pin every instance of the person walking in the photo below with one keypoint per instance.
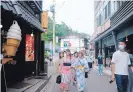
x,y
120,62
100,64
130,70
81,66
75,58
89,60
65,70
58,62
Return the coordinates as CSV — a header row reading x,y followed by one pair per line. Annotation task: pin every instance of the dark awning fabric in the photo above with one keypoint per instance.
x,y
25,14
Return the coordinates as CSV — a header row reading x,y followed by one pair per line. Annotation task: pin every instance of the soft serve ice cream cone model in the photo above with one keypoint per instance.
x,y
13,39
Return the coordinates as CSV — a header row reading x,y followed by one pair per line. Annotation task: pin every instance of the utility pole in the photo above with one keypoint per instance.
x,y
79,41
54,27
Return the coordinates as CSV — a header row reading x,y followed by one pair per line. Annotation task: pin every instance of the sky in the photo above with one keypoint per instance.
x,y
77,14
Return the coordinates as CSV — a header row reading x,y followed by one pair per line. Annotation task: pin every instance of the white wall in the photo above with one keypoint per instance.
x,y
75,43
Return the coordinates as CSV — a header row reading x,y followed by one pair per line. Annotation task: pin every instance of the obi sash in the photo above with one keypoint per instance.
x,y
80,67
67,64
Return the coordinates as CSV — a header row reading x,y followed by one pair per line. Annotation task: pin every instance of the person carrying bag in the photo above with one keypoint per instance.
x,y
81,67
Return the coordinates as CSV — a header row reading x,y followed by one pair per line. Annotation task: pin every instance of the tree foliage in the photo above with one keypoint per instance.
x,y
61,30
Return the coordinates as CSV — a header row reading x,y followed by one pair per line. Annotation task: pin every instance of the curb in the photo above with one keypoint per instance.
x,y
30,86
40,87
43,85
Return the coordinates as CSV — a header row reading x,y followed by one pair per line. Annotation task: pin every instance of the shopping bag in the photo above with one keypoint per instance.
x,y
58,79
86,74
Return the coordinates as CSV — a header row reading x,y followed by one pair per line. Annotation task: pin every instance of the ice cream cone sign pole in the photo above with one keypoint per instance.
x,y
13,39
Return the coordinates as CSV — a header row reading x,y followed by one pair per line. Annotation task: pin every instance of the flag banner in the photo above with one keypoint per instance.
x,y
29,53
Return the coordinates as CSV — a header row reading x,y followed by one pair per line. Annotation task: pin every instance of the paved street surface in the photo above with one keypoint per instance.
x,y
94,83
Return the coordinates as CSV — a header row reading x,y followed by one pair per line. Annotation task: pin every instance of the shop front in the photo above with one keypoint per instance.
x,y
108,44
120,27
28,59
127,34
105,46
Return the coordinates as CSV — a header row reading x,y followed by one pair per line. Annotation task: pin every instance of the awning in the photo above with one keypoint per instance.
x,y
17,8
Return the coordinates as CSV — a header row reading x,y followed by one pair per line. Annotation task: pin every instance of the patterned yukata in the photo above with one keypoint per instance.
x,y
66,75
81,66
73,71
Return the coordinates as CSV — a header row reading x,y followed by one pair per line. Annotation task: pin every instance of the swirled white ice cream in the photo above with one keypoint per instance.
x,y
14,32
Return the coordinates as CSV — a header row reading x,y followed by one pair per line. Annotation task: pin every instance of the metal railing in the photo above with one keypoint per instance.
x,y
124,11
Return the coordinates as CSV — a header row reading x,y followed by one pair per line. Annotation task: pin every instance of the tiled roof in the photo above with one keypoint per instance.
x,y
26,15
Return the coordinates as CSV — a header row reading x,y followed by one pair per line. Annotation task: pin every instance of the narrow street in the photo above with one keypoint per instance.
x,y
94,83
37,36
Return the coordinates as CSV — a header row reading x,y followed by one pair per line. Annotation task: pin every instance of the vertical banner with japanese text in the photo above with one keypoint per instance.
x,y
29,53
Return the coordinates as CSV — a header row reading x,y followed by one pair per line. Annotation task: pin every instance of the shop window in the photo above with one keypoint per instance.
x,y
115,6
99,20
118,4
102,17
109,8
106,12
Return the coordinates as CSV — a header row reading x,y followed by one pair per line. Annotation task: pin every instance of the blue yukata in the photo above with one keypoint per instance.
x,y
80,66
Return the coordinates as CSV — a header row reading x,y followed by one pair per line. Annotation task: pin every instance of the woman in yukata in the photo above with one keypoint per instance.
x,y
57,63
75,58
80,66
65,70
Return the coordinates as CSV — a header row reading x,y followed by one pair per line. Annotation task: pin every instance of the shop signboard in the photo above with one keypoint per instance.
x,y
29,52
44,19
66,43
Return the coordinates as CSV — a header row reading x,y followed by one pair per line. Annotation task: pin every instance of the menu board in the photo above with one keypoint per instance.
x,y
29,52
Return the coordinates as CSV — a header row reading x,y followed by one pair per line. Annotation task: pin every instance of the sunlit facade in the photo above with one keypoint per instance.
x,y
113,21
74,43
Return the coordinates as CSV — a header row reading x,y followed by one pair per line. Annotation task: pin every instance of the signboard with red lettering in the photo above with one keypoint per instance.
x,y
70,44
29,53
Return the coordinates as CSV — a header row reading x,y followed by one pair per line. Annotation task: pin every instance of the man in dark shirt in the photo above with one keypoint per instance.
x,y
100,64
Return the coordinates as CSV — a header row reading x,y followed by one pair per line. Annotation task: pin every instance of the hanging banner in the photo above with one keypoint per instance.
x,y
29,53
44,19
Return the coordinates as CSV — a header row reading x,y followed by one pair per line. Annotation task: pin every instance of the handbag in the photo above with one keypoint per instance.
x,y
58,79
86,73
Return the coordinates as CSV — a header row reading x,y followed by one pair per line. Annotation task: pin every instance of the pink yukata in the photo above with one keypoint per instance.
x,y
66,75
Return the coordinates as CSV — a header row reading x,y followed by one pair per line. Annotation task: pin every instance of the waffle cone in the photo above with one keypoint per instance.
x,y
13,42
11,50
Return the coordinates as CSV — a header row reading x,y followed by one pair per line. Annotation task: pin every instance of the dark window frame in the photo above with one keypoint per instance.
x,y
106,12
109,8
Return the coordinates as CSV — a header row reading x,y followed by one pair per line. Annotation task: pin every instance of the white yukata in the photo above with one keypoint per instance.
x,y
80,66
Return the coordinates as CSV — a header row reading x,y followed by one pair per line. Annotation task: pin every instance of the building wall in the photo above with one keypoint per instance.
x,y
104,10
76,43
114,23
